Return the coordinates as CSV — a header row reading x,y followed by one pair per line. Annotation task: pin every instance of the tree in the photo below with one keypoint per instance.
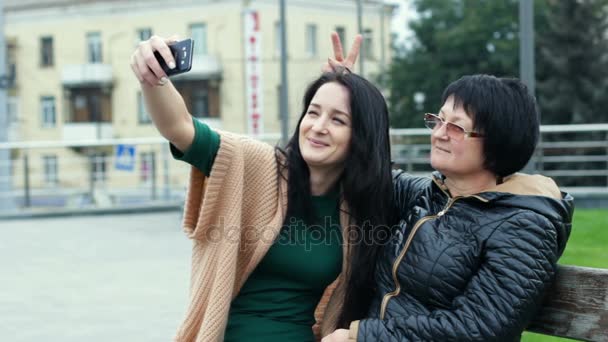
x,y
452,38
572,60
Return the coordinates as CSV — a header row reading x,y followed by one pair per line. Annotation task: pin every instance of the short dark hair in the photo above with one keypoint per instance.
x,y
505,111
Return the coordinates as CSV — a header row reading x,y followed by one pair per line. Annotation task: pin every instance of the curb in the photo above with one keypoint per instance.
x,y
149,208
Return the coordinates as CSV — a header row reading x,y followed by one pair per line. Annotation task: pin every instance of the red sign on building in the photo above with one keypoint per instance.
x,y
253,72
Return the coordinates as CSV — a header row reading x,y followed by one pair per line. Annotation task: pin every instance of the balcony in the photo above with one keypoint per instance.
x,y
85,75
87,130
205,67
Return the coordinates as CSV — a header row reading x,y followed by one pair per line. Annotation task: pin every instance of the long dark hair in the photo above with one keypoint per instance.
x,y
366,186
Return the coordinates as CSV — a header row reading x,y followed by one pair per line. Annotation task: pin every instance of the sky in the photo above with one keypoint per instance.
x,y
402,14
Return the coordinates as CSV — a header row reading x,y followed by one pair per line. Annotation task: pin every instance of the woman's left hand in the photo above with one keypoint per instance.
x,y
340,335
338,62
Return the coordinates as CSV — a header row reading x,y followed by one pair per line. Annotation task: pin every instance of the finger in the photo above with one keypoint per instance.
x,y
337,45
147,76
172,39
334,64
339,67
135,70
160,45
354,51
149,58
330,65
145,70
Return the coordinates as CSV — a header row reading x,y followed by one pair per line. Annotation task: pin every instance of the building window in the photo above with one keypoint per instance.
x,y
89,105
142,114
341,31
200,103
146,163
11,62
198,32
98,166
50,170
12,109
144,34
47,111
46,51
311,40
368,44
95,107
277,38
94,47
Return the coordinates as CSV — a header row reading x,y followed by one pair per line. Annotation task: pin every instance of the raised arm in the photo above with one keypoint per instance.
x,y
163,102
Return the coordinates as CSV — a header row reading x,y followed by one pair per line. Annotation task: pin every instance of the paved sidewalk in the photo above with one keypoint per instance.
x,y
93,278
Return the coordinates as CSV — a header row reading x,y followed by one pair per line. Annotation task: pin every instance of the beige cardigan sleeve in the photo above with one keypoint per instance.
x,y
232,216
240,190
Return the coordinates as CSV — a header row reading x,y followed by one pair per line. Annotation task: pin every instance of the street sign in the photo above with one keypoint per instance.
x,y
125,157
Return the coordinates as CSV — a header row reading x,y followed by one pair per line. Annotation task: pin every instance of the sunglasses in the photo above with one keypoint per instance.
x,y
433,122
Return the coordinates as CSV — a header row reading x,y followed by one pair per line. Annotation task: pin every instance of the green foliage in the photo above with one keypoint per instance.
x,y
573,62
453,38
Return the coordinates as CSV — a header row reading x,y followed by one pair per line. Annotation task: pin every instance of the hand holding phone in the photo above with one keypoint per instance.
x,y
182,54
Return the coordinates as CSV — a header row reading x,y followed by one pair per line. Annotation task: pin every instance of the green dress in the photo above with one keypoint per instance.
x,y
278,300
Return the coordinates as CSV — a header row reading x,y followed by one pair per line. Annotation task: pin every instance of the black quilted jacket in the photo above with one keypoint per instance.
x,y
466,269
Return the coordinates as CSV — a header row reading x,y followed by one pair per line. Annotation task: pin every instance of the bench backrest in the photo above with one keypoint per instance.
x,y
576,306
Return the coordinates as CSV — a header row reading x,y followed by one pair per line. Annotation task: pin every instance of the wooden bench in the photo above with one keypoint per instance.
x,y
575,307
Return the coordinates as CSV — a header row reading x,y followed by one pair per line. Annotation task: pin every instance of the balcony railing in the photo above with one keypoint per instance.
x,y
93,74
576,156
78,131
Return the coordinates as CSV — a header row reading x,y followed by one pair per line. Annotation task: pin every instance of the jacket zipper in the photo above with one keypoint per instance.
x,y
397,290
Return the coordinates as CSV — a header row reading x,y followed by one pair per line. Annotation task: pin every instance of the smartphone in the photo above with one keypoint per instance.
x,y
182,54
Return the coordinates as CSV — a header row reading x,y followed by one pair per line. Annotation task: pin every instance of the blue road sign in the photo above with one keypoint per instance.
x,y
125,157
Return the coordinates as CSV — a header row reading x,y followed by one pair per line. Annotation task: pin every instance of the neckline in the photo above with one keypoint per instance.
x,y
331,195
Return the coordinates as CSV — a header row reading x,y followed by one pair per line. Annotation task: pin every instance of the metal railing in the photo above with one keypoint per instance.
x,y
70,176
576,156
56,175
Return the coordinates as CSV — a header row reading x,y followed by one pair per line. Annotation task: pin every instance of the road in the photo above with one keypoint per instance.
x,y
93,278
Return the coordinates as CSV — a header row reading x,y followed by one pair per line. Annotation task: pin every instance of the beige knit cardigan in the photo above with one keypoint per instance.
x,y
233,217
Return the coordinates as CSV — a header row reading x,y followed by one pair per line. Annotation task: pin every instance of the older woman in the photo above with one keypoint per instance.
x,y
477,243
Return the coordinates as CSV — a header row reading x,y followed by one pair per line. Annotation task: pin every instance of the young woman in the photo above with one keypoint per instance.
x,y
271,227
478,242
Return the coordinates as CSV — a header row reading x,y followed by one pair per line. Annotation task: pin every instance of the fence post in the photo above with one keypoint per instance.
x,y
26,181
411,153
540,153
153,175
165,156
91,161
